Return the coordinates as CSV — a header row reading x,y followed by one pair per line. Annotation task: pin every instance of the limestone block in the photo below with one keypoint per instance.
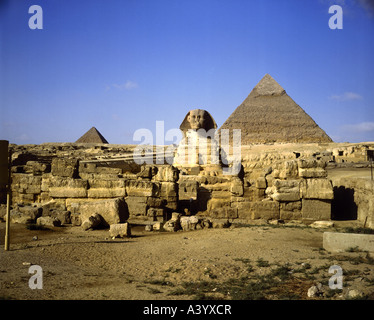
x,y
236,187
316,209
155,213
340,242
174,223
166,173
155,202
67,188
243,208
290,210
142,188
253,194
316,189
289,169
106,188
311,163
92,222
73,204
48,221
265,210
26,183
75,219
188,189
169,189
189,223
286,190
36,167
137,206
261,183
225,212
312,173
63,167
85,168
216,203
120,230
24,215
62,215
111,210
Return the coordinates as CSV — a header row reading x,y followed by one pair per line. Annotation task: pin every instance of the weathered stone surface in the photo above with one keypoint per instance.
x,y
169,189
286,190
261,183
188,189
64,167
112,211
24,215
316,189
288,170
236,187
155,213
25,183
316,209
48,221
166,173
312,173
157,226
243,208
142,188
220,223
62,215
106,188
36,167
92,222
67,188
254,194
137,206
265,210
174,223
336,241
225,212
311,163
75,219
120,230
290,210
189,223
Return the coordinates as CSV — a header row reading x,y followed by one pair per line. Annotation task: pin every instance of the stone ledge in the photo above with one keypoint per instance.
x,y
339,242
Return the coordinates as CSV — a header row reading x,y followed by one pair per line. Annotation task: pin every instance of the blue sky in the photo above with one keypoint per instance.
x,y
122,65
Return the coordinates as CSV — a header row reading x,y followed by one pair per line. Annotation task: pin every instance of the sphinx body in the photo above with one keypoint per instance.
x,y
199,151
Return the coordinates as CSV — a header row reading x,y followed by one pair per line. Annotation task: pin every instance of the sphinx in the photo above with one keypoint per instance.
x,y
199,151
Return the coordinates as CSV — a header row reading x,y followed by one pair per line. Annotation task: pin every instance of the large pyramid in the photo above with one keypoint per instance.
x,y
269,115
92,136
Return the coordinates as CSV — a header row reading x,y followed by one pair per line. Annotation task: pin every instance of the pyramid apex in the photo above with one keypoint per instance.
x,y
267,86
92,136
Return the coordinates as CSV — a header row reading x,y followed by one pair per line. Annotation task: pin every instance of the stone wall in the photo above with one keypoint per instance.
x,y
354,199
276,182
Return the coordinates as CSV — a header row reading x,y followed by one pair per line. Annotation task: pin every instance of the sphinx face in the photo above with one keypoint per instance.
x,y
196,118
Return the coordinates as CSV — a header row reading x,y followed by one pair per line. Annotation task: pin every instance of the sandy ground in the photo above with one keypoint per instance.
x,y
241,262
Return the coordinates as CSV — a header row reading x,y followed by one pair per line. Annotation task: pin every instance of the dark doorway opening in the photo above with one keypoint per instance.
x,y
343,207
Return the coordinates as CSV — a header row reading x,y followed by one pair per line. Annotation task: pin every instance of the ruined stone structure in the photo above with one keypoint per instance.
x,y
72,182
92,184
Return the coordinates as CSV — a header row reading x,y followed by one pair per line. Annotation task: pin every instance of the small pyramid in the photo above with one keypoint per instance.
x,y
92,136
269,115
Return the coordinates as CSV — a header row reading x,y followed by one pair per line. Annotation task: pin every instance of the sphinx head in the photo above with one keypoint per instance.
x,y
198,119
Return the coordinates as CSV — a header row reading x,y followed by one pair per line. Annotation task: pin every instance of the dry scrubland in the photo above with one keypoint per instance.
x,y
241,262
